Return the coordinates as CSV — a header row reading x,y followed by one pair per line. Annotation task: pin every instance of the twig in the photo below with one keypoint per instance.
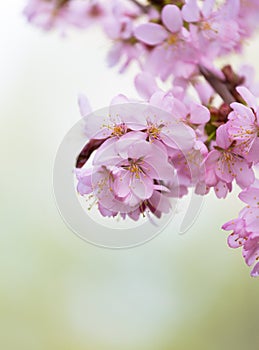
x,y
218,85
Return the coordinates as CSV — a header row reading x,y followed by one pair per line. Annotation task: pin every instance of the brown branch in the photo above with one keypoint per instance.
x,y
218,85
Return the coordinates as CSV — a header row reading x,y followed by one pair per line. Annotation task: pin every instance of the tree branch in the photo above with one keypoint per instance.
x,y
218,85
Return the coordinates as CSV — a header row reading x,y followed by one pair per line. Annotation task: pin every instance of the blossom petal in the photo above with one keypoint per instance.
x,y
255,271
160,203
207,7
247,96
84,105
142,186
146,85
122,183
132,145
191,11
223,139
172,18
242,112
106,154
150,33
199,114
250,196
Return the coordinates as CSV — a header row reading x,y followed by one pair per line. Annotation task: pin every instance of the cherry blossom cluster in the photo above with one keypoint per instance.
x,y
194,126
144,155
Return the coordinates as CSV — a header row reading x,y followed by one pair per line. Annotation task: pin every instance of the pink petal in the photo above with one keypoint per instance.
x,y
243,173
243,112
150,33
160,203
253,155
139,149
199,114
252,219
84,105
255,271
251,249
204,91
105,212
234,241
122,183
247,96
221,189
146,85
250,196
179,109
172,18
178,136
106,154
191,11
125,143
207,7
119,99
222,139
142,186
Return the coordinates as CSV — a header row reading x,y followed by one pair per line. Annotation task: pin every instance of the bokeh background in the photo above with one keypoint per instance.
x,y
58,292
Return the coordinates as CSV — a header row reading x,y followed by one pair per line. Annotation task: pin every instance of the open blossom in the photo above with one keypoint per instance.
x,y
214,28
223,164
178,42
129,176
243,125
245,229
172,52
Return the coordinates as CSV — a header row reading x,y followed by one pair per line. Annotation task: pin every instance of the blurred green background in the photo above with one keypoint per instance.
x,y
58,292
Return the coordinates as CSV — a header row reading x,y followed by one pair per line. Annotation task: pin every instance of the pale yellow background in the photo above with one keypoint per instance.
x,y
60,293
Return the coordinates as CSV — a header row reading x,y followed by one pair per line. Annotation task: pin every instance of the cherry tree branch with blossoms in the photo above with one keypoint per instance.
x,y
207,133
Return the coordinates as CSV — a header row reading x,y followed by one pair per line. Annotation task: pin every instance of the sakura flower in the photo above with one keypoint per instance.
x,y
215,29
243,125
102,124
224,164
128,177
154,34
172,53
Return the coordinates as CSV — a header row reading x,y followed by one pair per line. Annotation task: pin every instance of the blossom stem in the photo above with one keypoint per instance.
x,y
218,85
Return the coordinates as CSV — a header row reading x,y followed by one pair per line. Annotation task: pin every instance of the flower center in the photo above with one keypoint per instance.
x,y
153,131
205,26
135,167
119,130
172,39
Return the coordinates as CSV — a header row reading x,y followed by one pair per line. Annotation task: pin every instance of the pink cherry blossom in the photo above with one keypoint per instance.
x,y
129,177
224,164
243,125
